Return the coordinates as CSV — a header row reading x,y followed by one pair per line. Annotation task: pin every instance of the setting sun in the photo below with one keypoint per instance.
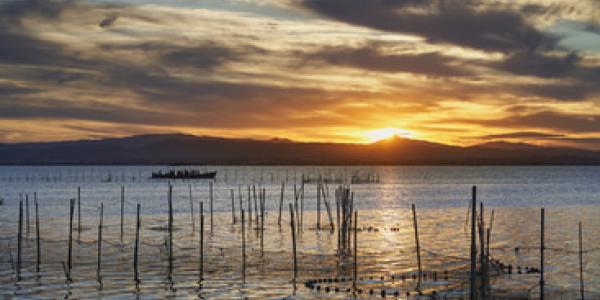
x,y
386,133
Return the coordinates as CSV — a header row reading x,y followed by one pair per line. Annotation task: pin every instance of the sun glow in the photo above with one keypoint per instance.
x,y
386,133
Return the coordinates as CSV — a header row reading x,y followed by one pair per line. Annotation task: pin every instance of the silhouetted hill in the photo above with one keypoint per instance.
x,y
188,149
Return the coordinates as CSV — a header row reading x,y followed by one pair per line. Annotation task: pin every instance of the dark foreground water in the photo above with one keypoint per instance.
x,y
385,247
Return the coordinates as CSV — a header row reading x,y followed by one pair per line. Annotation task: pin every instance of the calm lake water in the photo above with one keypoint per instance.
x,y
442,195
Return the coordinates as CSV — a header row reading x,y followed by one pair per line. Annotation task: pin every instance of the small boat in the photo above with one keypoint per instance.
x,y
184,174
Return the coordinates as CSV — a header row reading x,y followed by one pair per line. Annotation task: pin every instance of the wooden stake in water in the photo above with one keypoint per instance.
x,y
170,228
293,228
319,206
137,245
233,220
78,213
210,190
416,226
337,215
37,234
256,206
262,221
122,209
100,223
192,209
249,207
542,248
473,275
19,240
27,214
243,248
201,266
70,254
482,262
281,203
356,252
581,287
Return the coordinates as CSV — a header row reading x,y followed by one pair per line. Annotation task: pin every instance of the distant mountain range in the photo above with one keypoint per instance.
x,y
189,149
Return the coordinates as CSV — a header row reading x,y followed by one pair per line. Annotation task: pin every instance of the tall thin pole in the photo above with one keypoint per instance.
x,y
581,287
210,187
473,290
78,212
69,258
170,228
355,251
232,207
249,207
27,214
101,217
414,211
122,209
281,203
243,248
319,206
482,262
137,245
293,228
192,208
37,234
542,248
201,267
19,240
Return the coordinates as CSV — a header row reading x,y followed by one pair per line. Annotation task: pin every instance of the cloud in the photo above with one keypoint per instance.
x,y
464,23
546,120
370,57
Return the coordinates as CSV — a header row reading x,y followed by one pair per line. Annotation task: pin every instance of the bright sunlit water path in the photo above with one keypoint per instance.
x,y
569,194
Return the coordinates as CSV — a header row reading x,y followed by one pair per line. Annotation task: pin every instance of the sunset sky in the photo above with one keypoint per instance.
x,y
451,71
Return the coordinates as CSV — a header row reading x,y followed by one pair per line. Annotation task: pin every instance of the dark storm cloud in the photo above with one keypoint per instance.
x,y
540,65
370,57
9,90
13,11
577,91
463,23
206,55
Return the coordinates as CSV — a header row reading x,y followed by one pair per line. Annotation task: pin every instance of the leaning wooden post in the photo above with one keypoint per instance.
x,y
170,228
69,258
19,240
210,191
319,206
37,234
482,262
249,207
293,228
542,248
473,275
355,251
414,211
78,213
122,209
137,245
201,266
232,208
256,207
281,203
337,214
27,214
581,287
100,221
262,221
243,248
192,208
